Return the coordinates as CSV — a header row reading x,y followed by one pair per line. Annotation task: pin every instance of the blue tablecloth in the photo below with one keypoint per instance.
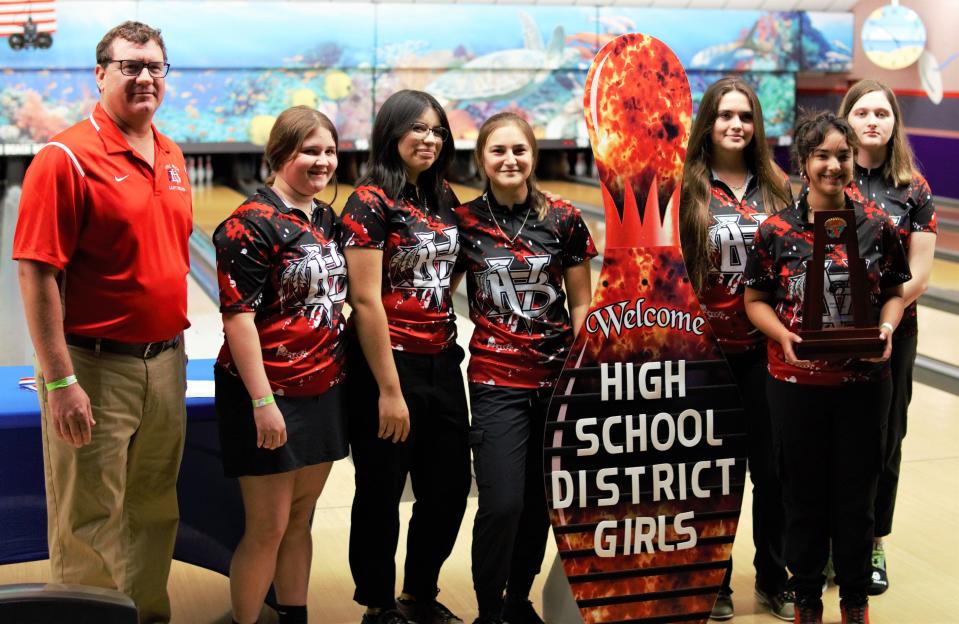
x,y
211,510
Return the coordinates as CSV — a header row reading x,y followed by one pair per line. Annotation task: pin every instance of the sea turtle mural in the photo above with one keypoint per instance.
x,y
506,73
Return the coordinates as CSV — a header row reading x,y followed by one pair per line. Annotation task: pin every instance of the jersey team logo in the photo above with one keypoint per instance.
x,y
522,293
732,235
426,267
317,281
173,174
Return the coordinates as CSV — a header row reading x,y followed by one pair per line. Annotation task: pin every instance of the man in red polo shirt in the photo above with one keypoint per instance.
x,y
102,244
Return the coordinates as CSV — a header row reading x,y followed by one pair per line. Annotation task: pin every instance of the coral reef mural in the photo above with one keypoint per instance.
x,y
227,84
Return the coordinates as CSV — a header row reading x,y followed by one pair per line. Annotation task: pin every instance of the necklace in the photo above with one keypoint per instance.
x,y
500,228
741,186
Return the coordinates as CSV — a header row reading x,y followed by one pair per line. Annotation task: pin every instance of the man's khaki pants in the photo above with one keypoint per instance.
x,y
111,506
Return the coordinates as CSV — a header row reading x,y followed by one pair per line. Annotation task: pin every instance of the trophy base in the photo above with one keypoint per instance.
x,y
840,343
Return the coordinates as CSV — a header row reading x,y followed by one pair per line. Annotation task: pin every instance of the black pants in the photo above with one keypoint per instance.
x,y
436,457
830,444
769,512
902,361
512,522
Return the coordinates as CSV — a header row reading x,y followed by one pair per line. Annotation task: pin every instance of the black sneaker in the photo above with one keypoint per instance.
x,y
387,616
723,607
426,612
520,612
781,604
880,579
808,611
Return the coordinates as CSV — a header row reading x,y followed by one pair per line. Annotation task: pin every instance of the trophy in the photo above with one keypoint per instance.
x,y
837,227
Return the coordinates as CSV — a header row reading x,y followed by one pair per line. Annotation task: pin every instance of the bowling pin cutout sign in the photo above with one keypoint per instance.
x,y
645,454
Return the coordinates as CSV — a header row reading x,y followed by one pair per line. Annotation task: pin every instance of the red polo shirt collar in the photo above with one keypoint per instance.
x,y
113,140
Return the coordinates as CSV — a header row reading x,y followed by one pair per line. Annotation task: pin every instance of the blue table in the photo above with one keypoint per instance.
x,y
211,510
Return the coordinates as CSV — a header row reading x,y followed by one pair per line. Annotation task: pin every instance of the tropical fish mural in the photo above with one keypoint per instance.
x,y
530,59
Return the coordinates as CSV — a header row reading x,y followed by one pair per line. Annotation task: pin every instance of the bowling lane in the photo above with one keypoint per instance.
x,y
213,204
945,274
583,195
343,192
205,334
465,193
590,203
938,337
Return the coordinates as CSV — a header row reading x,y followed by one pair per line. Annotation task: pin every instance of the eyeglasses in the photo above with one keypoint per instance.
x,y
421,130
133,68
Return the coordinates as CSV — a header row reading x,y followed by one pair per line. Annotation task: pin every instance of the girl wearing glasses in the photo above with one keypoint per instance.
x,y
730,186
885,175
283,284
521,250
407,402
828,415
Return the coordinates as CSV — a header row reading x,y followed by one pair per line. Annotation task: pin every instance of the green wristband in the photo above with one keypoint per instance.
x,y
69,380
267,400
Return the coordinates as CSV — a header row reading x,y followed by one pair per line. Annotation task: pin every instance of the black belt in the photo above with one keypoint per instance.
x,y
143,350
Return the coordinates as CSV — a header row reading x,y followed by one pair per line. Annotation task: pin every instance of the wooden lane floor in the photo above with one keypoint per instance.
x,y
590,202
945,274
583,195
211,205
343,192
465,193
939,335
204,337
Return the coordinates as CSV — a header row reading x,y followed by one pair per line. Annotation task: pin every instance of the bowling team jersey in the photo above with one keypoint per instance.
x,y
419,245
911,209
777,261
273,260
522,329
734,224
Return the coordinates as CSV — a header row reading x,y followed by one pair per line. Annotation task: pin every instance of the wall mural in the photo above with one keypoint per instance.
x,y
479,59
826,42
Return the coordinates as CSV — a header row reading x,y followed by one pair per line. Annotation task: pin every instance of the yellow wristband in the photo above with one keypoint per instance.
x,y
267,400
69,380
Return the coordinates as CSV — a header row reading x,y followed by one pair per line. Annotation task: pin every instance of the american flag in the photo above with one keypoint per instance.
x,y
14,14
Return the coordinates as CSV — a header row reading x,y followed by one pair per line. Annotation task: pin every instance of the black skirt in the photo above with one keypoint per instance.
x,y
315,428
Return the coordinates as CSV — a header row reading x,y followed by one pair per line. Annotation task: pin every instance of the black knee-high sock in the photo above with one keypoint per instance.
x,y
291,614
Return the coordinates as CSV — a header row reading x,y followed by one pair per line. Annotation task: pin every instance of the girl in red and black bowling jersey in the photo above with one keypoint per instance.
x,y
408,411
282,287
519,248
828,416
885,176
730,186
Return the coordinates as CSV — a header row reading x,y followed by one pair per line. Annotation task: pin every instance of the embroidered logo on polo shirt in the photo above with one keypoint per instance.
x,y
174,174
121,178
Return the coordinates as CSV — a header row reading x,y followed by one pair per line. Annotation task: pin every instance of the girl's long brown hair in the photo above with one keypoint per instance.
x,y
694,215
899,167
537,200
